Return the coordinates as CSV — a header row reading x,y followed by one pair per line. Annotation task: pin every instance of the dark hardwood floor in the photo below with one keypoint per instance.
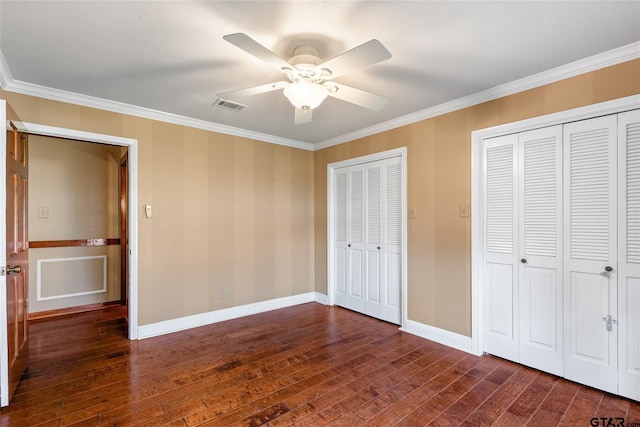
x,y
306,365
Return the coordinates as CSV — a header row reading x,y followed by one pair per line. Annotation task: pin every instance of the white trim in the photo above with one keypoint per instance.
x,y
196,320
331,167
441,336
592,63
25,88
582,113
615,56
39,263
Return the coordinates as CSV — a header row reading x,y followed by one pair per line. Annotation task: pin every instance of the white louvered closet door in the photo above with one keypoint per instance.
x,y
590,253
368,238
500,269
629,260
341,236
384,279
540,249
356,244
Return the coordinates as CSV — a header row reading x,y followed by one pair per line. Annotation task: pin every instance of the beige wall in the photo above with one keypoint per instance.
x,y
77,183
227,211
251,216
439,180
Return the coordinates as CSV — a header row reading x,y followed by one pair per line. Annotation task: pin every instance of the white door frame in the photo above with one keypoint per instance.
x,y
331,268
477,171
132,148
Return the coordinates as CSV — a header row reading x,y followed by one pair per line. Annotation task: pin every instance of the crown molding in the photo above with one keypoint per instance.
x,y
17,86
592,63
5,73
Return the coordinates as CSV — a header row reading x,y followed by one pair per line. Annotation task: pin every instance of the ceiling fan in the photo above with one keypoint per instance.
x,y
310,78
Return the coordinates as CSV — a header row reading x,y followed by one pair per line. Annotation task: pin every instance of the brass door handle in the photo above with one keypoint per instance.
x,y
15,269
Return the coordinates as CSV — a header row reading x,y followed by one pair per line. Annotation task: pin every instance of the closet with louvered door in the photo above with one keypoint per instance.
x,y
523,293
561,250
368,238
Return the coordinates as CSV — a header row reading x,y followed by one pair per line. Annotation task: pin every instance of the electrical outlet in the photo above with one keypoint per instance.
x,y
224,293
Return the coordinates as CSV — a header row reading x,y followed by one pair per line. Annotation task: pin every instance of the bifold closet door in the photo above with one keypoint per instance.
x,y
523,254
500,269
540,249
629,259
368,238
349,243
590,253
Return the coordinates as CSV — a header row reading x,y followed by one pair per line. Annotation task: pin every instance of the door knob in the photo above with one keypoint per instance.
x,y
523,260
14,269
608,268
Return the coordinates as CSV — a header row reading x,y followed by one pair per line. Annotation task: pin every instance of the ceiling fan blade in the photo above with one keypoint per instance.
x,y
359,97
255,90
254,48
361,56
303,116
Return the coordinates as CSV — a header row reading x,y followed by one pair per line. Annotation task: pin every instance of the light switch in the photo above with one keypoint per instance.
x,y
43,212
147,211
412,212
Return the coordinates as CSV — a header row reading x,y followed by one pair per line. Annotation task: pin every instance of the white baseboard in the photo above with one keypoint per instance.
x,y
188,322
441,336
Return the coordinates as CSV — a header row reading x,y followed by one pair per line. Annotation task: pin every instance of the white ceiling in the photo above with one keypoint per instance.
x,y
167,59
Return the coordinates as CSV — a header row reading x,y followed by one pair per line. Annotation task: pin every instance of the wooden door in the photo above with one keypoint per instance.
x,y
540,250
590,253
17,258
629,259
124,234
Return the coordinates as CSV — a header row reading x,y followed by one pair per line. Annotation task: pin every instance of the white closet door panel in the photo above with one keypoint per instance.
x,y
590,244
629,343
629,261
373,279
391,298
340,215
499,247
374,233
355,288
341,275
500,327
341,178
393,202
539,247
356,206
390,261
591,350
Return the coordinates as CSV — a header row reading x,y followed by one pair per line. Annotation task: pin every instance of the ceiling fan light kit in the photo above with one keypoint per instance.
x,y
309,77
305,95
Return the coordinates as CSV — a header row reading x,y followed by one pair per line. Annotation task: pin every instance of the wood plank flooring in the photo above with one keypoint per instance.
x,y
308,365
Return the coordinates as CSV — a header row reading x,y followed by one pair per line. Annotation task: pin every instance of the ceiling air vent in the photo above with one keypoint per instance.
x,y
229,105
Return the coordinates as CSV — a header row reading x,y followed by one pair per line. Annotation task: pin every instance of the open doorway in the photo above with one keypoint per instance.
x,y
76,196
126,150
131,146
